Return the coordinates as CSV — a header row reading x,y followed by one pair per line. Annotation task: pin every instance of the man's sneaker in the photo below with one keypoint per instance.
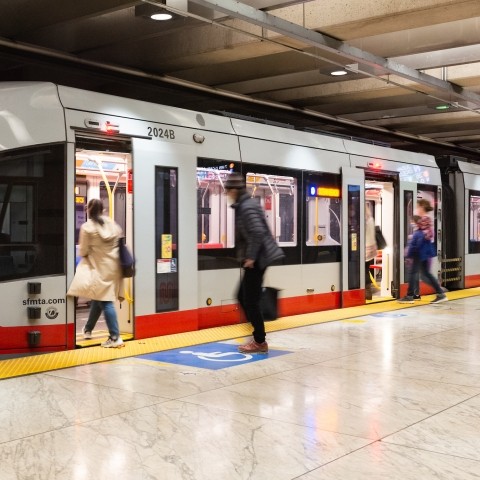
x,y
86,335
440,298
406,299
254,347
417,298
110,343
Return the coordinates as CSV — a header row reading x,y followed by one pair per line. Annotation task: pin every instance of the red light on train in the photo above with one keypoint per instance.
x,y
129,181
111,128
375,165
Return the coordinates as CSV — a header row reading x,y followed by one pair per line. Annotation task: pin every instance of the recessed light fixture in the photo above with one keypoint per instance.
x,y
338,73
443,106
161,16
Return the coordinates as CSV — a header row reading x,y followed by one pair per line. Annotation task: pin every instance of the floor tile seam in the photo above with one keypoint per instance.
x,y
368,350
238,412
111,415
275,420
352,354
427,450
241,382
53,430
426,335
226,387
428,417
409,378
222,387
100,385
83,423
371,442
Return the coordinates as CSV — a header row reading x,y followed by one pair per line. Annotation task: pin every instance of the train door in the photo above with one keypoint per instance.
x,y
410,193
353,181
433,194
102,169
381,202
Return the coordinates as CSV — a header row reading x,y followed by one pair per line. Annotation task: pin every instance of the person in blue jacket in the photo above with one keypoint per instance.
x,y
256,249
420,251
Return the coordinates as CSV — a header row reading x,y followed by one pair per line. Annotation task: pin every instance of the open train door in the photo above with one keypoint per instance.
x,y
353,250
103,169
382,199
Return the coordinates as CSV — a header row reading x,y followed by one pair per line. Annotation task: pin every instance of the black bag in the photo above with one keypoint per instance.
x,y
127,264
379,238
269,303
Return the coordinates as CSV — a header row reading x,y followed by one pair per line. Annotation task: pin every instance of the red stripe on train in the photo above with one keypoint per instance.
x,y
217,316
51,338
472,281
62,337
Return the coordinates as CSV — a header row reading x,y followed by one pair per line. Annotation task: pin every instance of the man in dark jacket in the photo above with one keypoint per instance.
x,y
256,250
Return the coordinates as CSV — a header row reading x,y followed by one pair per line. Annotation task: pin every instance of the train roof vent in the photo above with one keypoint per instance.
x,y
247,118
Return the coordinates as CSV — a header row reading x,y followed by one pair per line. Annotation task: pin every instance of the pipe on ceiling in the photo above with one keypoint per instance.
x,y
66,57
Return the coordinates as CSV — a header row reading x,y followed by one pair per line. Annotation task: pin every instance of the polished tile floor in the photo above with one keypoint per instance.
x,y
390,396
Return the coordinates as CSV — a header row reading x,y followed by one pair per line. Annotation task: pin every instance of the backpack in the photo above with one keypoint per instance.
x,y
127,263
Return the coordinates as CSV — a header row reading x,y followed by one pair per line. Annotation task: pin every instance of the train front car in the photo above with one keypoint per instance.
x,y
33,218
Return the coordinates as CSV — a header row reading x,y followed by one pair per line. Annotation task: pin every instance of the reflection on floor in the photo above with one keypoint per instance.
x,y
389,395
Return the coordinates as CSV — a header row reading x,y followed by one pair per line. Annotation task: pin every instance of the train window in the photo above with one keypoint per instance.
x,y
323,227
277,196
430,193
32,212
323,221
214,218
323,213
276,190
474,222
275,193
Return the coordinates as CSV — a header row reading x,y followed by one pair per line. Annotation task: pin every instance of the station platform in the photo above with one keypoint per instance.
x,y
385,390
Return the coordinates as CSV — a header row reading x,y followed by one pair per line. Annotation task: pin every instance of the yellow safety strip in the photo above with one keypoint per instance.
x,y
84,356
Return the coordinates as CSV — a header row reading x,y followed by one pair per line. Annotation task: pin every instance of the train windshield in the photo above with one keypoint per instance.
x,y
32,214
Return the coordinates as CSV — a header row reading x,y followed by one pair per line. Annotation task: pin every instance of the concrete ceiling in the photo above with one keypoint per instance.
x,y
270,59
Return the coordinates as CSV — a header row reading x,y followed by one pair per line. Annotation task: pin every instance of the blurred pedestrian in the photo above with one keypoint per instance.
x,y
256,249
98,275
420,251
370,249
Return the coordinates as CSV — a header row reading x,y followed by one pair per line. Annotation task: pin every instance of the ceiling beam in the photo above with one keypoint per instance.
x,y
351,54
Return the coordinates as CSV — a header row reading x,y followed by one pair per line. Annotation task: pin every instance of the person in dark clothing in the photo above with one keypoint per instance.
x,y
256,249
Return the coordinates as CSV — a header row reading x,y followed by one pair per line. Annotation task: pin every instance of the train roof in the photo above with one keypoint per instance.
x,y
40,96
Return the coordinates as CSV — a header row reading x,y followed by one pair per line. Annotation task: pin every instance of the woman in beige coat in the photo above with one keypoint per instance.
x,y
98,275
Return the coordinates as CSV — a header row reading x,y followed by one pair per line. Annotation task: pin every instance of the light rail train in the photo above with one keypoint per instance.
x,y
161,171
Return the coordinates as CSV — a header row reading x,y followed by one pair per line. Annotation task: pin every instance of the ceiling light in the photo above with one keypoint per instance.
x,y
443,106
338,73
161,16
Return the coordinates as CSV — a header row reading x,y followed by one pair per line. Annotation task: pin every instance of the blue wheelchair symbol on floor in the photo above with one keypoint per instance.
x,y
213,356
219,356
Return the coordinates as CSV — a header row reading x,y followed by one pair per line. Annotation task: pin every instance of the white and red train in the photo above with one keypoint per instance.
x,y
160,171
